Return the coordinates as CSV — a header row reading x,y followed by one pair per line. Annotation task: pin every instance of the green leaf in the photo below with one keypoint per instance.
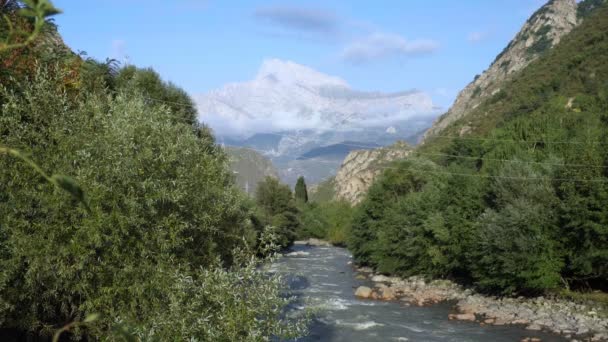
x,y
91,318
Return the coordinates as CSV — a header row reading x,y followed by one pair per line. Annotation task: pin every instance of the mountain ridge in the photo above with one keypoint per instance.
x,y
540,32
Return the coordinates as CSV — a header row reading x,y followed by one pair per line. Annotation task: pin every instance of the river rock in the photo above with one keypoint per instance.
x,y
363,292
365,269
462,317
381,279
387,293
552,314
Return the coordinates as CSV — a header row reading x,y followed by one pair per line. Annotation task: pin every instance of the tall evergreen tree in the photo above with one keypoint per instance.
x,y
301,191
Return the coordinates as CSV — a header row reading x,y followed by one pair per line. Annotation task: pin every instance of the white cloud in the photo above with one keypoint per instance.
x,y
378,46
286,96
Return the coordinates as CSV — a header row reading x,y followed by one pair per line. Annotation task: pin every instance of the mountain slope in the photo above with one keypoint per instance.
x,y
543,30
575,66
357,173
340,150
249,168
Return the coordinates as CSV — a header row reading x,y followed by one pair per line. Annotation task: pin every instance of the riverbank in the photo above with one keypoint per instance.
x,y
574,321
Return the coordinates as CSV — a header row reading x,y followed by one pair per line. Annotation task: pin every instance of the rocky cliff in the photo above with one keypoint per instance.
x,y
541,32
360,169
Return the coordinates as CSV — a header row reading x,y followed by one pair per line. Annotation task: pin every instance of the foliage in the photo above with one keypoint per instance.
x,y
277,208
163,250
329,221
36,12
301,193
158,92
587,7
517,246
239,304
518,204
323,192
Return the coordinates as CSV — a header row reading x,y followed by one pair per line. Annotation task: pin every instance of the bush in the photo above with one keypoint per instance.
x,y
330,221
515,253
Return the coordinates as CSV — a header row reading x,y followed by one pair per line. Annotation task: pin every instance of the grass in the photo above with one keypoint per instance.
x,y
597,299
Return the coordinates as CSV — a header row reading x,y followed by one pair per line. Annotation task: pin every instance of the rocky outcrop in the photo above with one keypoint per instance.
x,y
541,32
360,168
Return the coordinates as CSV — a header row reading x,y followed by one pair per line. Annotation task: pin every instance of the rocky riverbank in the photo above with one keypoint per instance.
x,y
576,322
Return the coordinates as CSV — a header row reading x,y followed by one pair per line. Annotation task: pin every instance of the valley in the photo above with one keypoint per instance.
x,y
404,204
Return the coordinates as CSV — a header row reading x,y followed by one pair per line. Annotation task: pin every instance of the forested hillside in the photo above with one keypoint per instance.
x,y
512,198
249,168
156,229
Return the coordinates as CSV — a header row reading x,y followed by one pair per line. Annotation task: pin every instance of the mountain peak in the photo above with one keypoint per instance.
x,y
543,30
288,72
287,96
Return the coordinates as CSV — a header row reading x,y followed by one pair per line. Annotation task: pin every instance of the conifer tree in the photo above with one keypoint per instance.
x,y
301,191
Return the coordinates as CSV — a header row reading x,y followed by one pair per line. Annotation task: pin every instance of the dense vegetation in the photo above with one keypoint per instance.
x,y
164,247
328,221
520,204
277,208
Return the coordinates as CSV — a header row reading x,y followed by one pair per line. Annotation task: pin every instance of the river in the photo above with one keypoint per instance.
x,y
323,280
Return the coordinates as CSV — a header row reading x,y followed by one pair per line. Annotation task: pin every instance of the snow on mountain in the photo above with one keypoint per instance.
x,y
287,96
289,109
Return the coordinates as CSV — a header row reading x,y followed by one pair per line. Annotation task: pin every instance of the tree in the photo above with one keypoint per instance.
x,y
277,208
301,191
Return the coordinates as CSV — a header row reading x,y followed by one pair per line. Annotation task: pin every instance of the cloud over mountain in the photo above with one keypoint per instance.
x,y
287,96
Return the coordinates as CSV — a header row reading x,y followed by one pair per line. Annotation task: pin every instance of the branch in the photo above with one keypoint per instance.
x,y
39,11
62,182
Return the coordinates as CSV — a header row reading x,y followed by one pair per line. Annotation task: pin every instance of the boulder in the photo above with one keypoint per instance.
x,y
363,292
388,293
381,279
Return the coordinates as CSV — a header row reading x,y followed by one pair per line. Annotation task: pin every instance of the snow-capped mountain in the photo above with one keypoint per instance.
x,y
289,109
288,96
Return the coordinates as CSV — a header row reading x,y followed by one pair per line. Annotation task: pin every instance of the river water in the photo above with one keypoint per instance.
x,y
323,280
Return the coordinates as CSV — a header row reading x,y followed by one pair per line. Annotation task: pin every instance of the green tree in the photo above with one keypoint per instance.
x,y
277,208
301,192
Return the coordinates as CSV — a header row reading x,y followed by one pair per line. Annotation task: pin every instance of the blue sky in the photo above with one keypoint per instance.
x,y
436,47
